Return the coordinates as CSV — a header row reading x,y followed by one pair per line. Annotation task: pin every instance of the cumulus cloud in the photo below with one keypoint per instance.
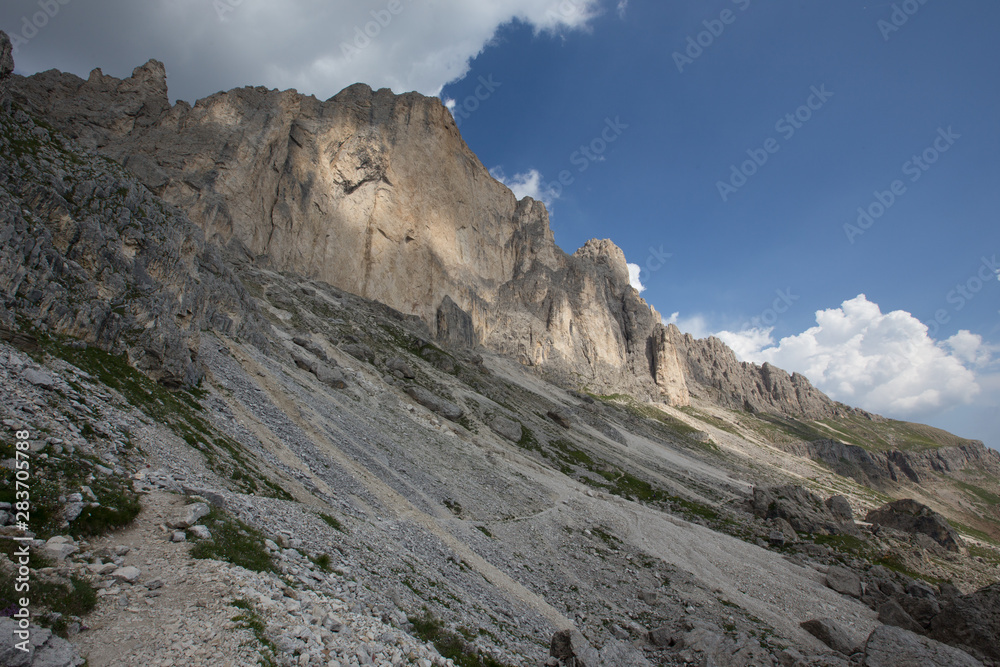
x,y
633,277
316,46
696,325
528,184
622,6
884,362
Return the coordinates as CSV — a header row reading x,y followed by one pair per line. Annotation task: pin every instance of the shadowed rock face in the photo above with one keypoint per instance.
x,y
912,517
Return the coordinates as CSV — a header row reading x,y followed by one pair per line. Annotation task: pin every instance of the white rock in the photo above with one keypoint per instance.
x,y
129,574
201,532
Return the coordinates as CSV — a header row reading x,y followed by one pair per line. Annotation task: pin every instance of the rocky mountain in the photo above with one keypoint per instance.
x,y
368,189
254,436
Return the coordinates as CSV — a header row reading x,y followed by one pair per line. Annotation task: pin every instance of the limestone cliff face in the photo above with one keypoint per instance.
x,y
377,194
714,373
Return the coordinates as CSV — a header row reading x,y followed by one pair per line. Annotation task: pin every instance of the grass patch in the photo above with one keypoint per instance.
x,y
234,542
322,561
250,619
528,440
333,522
977,492
75,597
844,543
450,644
62,474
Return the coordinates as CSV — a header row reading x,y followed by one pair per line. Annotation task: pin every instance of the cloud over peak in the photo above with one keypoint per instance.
x,y
885,362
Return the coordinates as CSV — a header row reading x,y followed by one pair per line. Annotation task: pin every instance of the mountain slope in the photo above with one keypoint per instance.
x,y
457,496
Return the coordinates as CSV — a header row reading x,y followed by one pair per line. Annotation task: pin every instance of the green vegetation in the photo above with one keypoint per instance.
x,y
333,522
70,597
322,561
979,493
527,440
235,542
451,644
58,475
251,620
675,426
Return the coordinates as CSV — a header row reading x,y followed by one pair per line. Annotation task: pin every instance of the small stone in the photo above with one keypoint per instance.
x,y
201,532
128,574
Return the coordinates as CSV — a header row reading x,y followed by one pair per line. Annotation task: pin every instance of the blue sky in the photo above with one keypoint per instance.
x,y
822,105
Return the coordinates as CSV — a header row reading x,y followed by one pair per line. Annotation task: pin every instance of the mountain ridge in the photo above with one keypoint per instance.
x,y
328,189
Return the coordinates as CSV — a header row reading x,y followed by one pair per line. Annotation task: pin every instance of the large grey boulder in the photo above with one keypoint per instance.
x,y
44,648
189,516
844,581
508,428
912,517
400,366
572,649
804,510
892,613
972,622
888,646
830,633
434,403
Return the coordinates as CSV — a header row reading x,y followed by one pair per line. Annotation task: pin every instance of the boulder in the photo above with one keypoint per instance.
x,y
44,648
128,574
972,622
910,516
844,581
892,613
311,346
200,532
571,649
804,511
398,365
831,633
189,516
359,351
840,508
443,407
508,428
331,377
560,416
888,646
60,547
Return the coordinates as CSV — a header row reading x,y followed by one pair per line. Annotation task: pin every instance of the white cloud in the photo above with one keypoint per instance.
x,y
622,6
633,277
528,184
316,46
696,325
886,363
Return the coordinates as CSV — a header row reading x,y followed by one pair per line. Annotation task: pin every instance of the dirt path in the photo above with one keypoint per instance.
x,y
185,621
